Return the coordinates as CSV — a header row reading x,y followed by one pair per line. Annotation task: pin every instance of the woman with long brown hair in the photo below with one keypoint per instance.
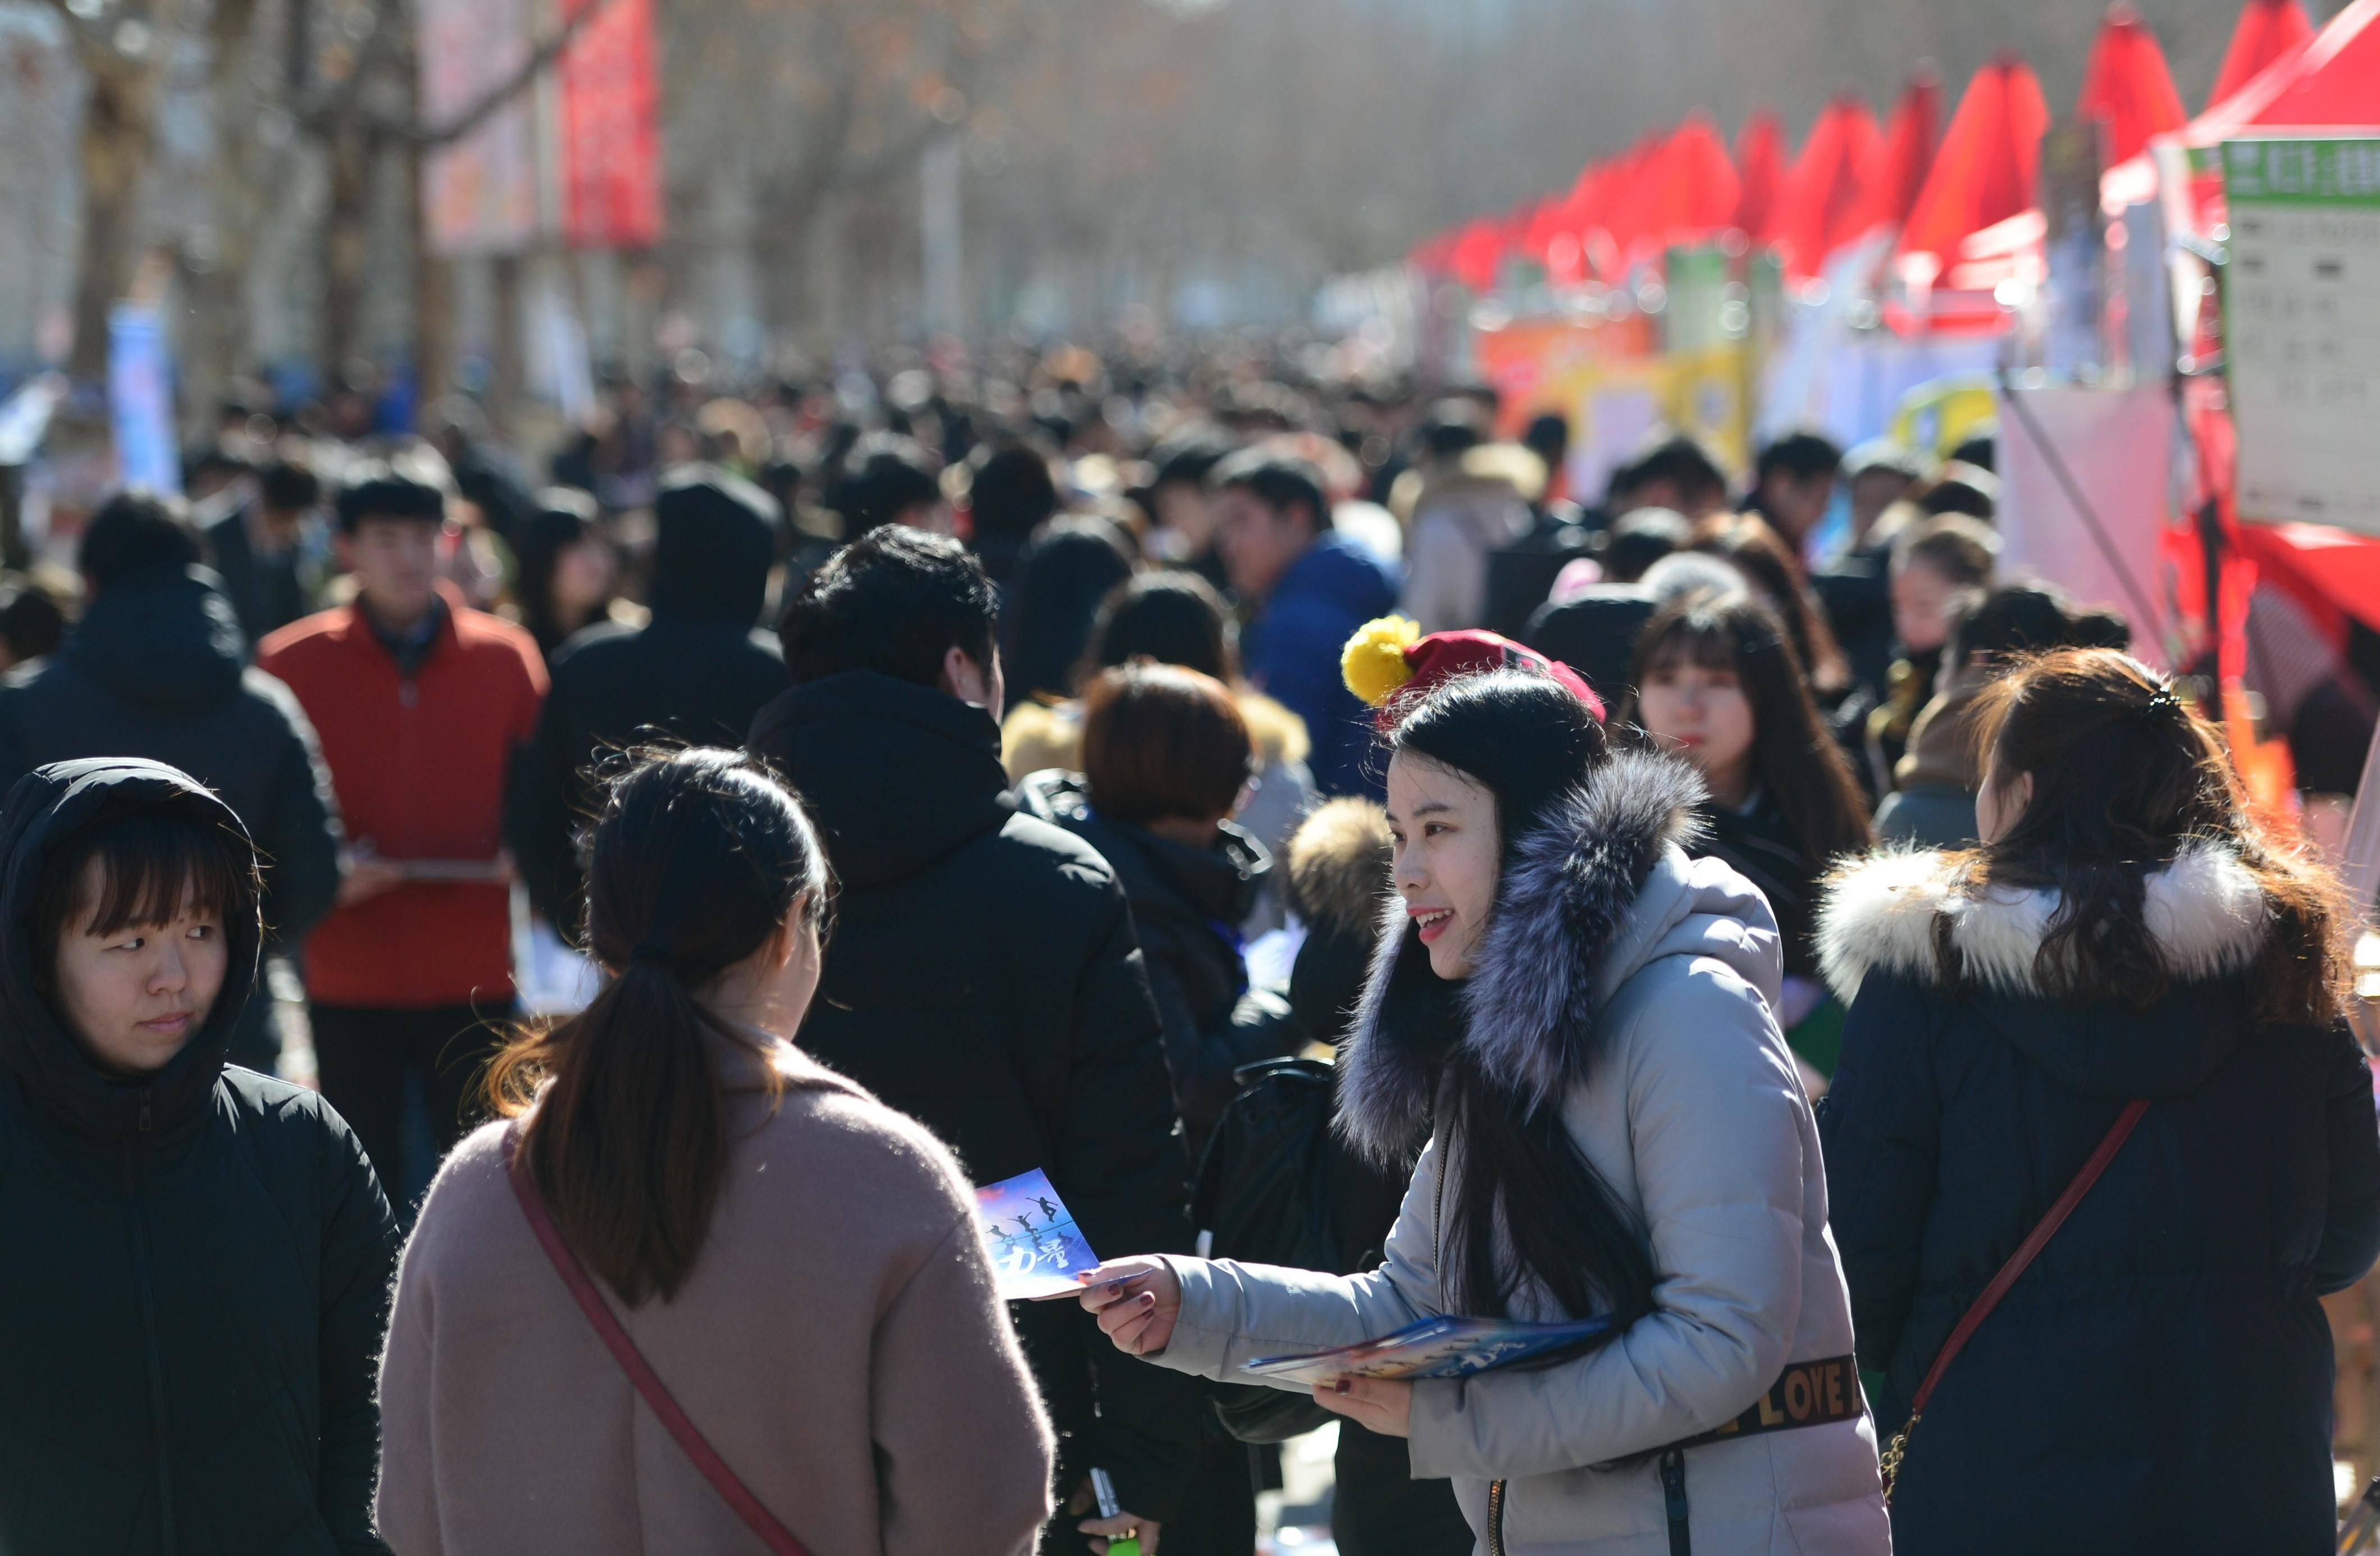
x,y
676,1188
2131,977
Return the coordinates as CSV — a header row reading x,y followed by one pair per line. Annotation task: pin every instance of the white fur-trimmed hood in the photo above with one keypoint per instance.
x,y
2204,911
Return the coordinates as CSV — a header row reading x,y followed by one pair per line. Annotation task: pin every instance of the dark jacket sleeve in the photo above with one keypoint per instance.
x,y
1127,1176
1880,1126
303,838
540,815
2351,1230
1296,663
358,1260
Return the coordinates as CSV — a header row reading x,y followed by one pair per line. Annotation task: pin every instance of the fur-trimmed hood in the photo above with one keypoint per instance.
x,y
1588,900
1338,867
2204,911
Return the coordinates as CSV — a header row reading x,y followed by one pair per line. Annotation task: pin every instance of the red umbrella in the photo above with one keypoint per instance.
x,y
1989,162
1760,164
2126,84
1907,153
2335,81
1825,195
2267,29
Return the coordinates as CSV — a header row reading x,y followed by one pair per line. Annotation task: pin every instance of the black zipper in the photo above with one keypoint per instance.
x,y
144,1279
1495,1518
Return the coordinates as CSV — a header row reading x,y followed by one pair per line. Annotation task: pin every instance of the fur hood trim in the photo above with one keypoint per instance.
x,y
1338,864
2204,911
1530,1009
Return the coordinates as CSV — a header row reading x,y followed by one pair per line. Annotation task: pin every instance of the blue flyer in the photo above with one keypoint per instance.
x,y
1036,1250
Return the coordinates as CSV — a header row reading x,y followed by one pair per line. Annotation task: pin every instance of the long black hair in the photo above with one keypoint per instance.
x,y
1796,762
1522,1186
700,857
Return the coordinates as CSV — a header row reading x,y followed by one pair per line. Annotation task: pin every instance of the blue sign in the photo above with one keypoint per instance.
x,y
141,400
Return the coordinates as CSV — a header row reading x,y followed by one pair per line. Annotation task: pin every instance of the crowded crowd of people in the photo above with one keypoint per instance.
x,y
1723,905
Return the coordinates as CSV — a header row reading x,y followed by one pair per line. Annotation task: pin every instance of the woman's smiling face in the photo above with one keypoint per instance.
x,y
1448,854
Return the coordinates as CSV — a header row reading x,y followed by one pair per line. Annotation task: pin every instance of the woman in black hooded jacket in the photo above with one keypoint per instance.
x,y
2159,1378
1166,759
200,1254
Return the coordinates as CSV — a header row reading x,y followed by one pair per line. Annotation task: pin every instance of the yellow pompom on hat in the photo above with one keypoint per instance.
x,y
1374,662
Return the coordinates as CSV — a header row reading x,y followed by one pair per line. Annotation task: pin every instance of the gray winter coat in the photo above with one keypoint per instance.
x,y
1637,986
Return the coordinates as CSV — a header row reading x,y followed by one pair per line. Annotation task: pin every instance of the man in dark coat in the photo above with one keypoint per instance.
x,y
157,669
696,673
194,1318
983,974
269,548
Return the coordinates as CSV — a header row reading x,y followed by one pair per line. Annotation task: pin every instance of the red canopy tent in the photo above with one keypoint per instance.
x,y
1906,155
1825,196
2126,85
2267,30
1760,168
1687,189
1986,172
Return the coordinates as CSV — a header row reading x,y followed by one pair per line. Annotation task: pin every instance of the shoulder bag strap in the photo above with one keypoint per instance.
x,y
2017,1262
738,1496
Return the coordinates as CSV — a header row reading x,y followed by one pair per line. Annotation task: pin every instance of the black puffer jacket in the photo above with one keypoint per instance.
x,y
2160,1379
201,1264
158,669
1186,904
983,976
696,673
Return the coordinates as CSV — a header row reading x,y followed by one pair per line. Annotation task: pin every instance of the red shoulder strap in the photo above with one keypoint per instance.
x,y
738,1496
2027,1251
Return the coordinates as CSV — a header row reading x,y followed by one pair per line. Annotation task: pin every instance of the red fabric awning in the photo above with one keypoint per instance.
x,y
2267,30
1826,201
1987,169
1912,140
2126,84
1760,169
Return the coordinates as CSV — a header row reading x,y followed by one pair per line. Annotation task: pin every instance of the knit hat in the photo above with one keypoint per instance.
x,y
1391,666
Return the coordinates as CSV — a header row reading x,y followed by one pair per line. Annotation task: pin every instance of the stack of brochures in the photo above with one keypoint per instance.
x,y
1441,1347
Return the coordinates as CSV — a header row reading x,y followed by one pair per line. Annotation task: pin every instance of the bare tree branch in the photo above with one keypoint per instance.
x,y
493,100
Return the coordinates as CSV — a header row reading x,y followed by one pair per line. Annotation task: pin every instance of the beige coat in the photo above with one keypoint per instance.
x,y
839,1343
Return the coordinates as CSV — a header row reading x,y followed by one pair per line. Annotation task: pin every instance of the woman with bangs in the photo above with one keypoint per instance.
x,y
1718,681
200,1254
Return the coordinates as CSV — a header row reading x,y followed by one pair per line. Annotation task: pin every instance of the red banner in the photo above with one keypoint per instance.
x,y
611,139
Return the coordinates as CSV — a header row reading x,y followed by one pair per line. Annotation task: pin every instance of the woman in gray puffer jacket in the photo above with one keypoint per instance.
x,y
1579,1018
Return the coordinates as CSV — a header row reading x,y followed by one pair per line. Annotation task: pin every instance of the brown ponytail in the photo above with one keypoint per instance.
x,y
699,858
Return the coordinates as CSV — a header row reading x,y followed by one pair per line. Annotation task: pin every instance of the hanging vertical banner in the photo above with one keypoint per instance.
x,y
611,128
141,400
480,192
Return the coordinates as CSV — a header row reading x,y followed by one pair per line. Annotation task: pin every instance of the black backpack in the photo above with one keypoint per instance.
x,y
1274,1189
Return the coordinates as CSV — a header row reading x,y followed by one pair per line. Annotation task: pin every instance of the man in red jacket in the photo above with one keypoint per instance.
x,y
419,701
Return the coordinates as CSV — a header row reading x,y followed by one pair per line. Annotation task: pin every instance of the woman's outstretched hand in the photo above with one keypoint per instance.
x,y
1136,1301
1382,1405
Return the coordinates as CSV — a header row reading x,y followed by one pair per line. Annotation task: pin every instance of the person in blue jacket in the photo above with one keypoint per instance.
x,y
1305,589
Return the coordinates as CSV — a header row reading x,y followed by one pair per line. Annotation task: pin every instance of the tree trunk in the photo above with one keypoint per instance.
x,y
119,125
433,297
346,246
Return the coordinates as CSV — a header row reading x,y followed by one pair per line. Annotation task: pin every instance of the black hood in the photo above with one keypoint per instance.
x,y
895,775
715,537
47,807
171,642
1214,885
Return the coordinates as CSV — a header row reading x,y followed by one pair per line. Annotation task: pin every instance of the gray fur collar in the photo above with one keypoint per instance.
x,y
2203,910
1530,1010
